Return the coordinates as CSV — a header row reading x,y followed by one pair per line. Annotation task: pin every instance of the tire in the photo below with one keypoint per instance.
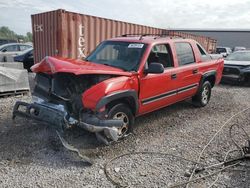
x,y
122,111
202,98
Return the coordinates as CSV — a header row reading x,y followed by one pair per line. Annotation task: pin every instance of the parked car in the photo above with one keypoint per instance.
x,y
237,67
224,51
11,49
6,41
238,48
216,56
121,79
27,58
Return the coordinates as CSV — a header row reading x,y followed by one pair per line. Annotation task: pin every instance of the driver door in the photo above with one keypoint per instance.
x,y
158,90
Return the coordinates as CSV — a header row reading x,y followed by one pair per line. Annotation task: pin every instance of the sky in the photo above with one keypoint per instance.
x,y
167,14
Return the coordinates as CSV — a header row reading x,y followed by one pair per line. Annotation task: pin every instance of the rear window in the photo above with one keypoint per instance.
x,y
185,53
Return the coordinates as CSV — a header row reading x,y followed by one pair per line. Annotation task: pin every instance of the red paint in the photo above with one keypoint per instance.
x,y
147,86
91,97
54,65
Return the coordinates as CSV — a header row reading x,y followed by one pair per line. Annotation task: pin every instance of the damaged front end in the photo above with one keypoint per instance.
x,y
57,100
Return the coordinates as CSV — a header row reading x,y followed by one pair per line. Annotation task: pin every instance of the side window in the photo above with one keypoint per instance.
x,y
161,53
204,55
24,47
201,50
12,48
185,53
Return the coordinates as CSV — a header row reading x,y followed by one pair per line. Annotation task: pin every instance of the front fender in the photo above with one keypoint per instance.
x,y
92,96
119,95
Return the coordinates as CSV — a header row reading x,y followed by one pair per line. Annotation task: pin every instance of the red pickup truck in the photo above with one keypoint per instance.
x,y
121,79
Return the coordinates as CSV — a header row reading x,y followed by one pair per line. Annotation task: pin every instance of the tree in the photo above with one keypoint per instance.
x,y
6,33
29,36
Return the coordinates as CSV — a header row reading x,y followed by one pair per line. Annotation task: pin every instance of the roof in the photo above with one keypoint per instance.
x,y
148,39
10,44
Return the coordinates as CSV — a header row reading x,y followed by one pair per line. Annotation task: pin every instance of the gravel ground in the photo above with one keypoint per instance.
x,y
31,154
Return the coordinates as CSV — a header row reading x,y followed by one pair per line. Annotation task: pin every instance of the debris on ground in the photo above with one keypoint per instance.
x,y
31,155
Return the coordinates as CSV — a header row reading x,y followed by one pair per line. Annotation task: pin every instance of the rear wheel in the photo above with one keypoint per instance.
x,y
202,98
122,112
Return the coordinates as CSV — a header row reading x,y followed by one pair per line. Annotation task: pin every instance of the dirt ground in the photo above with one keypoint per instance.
x,y
31,154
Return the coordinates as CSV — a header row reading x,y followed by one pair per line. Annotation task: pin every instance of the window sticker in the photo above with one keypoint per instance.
x,y
135,45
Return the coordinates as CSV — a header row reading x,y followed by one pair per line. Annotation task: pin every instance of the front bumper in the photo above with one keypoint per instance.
x,y
235,74
57,116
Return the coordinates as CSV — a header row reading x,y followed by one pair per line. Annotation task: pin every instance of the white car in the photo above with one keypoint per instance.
x,y
7,51
224,51
239,48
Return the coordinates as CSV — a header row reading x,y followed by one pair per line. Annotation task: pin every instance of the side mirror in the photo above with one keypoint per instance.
x,y
4,50
154,68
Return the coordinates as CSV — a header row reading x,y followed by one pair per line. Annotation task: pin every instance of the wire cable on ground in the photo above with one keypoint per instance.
x,y
73,149
191,179
231,151
203,177
214,136
138,153
232,137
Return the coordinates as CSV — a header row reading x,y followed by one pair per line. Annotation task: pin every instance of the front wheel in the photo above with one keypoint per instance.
x,y
202,98
122,112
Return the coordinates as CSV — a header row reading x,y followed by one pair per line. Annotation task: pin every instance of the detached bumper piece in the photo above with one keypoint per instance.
x,y
39,112
57,116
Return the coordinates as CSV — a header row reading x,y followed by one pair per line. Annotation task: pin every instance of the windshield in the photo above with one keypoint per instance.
x,y
239,56
123,55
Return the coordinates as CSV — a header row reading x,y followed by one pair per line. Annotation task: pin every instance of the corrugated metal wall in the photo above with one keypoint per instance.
x,y
74,35
208,43
46,35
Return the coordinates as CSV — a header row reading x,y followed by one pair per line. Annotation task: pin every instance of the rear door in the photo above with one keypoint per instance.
x,y
158,90
187,73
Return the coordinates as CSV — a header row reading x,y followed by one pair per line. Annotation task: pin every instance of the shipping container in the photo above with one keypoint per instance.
x,y
74,35
208,43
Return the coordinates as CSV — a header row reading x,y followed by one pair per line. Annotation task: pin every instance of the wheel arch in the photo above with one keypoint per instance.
x,y
209,76
128,97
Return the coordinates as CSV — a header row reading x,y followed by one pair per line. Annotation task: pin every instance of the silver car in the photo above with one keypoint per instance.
x,y
7,51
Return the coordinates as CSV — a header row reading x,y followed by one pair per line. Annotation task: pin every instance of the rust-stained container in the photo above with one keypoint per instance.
x,y
208,43
74,35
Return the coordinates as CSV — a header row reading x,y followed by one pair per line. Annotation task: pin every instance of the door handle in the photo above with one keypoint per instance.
x,y
173,76
195,71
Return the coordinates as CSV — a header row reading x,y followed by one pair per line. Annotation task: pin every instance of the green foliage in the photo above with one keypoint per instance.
x,y
29,36
6,33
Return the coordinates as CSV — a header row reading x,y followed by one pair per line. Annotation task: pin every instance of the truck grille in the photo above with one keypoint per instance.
x,y
231,71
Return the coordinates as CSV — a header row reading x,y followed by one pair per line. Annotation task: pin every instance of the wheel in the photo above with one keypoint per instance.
x,y
202,98
122,112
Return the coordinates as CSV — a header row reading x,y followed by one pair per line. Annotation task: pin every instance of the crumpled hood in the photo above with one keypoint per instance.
x,y
54,65
239,63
